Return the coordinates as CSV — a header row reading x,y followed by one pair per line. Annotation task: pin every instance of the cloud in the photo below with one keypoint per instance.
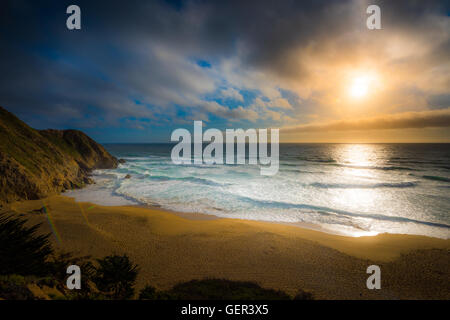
x,y
440,101
232,93
121,64
277,103
424,119
139,60
238,113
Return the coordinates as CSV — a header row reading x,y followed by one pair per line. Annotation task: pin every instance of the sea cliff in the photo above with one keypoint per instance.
x,y
38,163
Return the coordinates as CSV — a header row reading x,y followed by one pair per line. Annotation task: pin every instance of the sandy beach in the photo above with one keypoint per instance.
x,y
170,248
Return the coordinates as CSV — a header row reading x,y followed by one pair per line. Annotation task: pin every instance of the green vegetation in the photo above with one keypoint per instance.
x,y
22,251
148,293
221,289
303,295
214,289
116,276
14,287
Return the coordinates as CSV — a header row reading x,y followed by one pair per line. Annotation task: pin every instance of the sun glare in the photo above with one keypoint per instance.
x,y
360,87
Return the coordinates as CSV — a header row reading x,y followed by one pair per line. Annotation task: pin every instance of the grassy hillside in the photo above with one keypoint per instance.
x,y
34,163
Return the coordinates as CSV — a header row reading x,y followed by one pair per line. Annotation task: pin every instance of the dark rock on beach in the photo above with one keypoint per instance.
x,y
38,163
40,211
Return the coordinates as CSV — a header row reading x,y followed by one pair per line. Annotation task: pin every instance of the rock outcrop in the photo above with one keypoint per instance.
x,y
38,163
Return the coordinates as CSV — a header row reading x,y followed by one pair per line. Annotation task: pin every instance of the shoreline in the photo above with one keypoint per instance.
x,y
124,201
311,231
170,248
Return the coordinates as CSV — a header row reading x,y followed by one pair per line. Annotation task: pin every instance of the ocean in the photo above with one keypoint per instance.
x,y
349,189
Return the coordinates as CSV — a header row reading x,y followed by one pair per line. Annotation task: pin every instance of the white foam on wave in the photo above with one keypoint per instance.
x,y
100,193
236,191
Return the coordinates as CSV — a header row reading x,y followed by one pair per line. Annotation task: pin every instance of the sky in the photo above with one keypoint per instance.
x,y
137,70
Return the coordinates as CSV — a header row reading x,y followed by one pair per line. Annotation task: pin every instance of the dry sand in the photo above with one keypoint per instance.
x,y
170,248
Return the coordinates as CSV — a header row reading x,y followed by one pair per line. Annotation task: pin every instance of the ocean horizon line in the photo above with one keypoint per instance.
x,y
285,143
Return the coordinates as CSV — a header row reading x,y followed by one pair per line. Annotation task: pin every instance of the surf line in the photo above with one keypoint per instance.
x,y
213,152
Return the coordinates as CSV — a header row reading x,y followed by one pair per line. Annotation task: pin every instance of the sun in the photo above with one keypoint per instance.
x,y
360,87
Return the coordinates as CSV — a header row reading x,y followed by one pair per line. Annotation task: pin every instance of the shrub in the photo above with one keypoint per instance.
x,y
14,287
116,276
58,265
303,295
221,289
148,293
22,251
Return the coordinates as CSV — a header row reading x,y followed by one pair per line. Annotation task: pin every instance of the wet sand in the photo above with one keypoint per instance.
x,y
171,247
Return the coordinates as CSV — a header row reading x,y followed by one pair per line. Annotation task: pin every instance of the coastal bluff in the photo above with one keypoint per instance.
x,y
38,163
